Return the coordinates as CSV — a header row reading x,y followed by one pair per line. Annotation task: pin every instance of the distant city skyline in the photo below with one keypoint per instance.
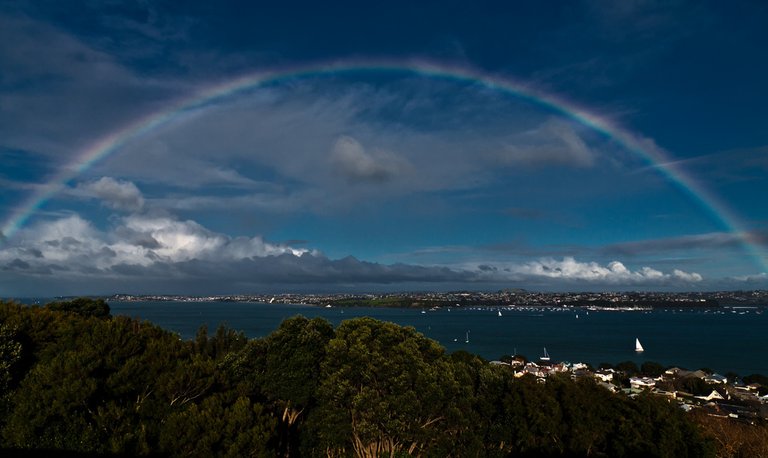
x,y
191,148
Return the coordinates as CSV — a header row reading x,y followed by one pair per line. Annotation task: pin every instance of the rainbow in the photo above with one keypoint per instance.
x,y
642,147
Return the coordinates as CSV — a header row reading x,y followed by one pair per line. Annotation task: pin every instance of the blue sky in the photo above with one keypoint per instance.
x,y
374,180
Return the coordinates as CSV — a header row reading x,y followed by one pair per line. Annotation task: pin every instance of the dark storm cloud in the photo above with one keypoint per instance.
x,y
289,269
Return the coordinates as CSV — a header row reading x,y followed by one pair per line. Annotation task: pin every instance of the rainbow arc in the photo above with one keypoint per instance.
x,y
642,147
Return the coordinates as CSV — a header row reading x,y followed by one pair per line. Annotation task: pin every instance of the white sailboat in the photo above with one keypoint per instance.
x,y
546,355
638,347
467,341
499,312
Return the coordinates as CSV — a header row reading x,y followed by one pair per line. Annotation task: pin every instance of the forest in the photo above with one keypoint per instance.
x,y
74,379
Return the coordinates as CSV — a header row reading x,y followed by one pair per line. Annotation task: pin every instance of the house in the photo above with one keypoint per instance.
x,y
669,394
673,371
640,383
605,375
713,395
716,378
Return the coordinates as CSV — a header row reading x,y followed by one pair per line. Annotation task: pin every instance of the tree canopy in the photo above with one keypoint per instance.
x,y
76,379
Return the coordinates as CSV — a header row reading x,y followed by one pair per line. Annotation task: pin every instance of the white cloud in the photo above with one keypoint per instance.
x,y
115,194
181,255
187,240
72,243
687,277
357,164
614,273
164,254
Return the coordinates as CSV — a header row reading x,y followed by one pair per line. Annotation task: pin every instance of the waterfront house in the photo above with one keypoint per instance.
x,y
713,395
641,383
605,375
716,378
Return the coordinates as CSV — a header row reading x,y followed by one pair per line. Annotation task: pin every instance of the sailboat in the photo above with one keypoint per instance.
x,y
467,341
546,355
499,312
638,347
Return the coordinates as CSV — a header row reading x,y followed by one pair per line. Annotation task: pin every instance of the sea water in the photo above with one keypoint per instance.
x,y
723,340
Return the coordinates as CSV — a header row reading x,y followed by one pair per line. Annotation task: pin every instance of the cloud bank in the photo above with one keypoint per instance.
x,y
147,251
571,271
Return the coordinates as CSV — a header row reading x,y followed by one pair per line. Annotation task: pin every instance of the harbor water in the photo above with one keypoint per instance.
x,y
723,340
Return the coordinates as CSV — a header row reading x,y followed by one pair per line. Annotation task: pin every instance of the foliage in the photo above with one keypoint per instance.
x,y
651,369
76,379
628,367
82,306
384,389
734,439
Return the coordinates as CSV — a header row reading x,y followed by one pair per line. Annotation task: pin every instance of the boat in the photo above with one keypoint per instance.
x,y
467,341
546,355
499,312
638,347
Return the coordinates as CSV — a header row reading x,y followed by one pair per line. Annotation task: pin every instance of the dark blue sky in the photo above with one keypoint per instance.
x,y
366,180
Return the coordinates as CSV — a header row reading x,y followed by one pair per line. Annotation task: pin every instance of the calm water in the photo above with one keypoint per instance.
x,y
727,341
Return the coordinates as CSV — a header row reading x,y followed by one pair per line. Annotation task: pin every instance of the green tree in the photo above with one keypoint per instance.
x,y
214,428
651,369
290,374
385,389
82,306
628,367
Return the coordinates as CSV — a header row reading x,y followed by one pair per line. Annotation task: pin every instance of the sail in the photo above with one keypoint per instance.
x,y
546,355
638,347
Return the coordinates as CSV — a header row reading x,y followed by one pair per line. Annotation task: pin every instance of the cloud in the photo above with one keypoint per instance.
x,y
149,252
143,249
687,242
138,240
115,194
358,165
317,138
614,273
53,84
554,142
761,278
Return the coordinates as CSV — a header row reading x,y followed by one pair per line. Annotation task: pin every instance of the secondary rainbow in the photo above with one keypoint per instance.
x,y
201,99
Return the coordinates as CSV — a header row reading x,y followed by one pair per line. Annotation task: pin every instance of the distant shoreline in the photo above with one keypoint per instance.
x,y
504,298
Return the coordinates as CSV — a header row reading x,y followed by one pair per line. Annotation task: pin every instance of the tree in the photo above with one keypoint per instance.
x,y
628,367
214,428
292,356
82,306
651,369
385,389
